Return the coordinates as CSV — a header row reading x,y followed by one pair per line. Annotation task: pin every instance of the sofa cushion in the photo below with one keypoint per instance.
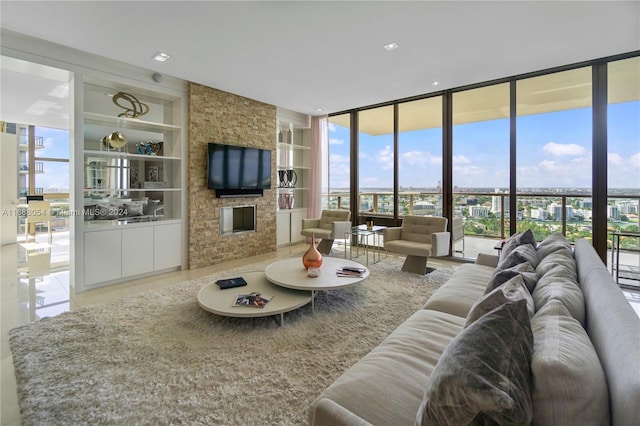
x,y
516,240
510,291
520,254
555,286
395,371
554,242
484,375
569,385
561,258
501,276
460,292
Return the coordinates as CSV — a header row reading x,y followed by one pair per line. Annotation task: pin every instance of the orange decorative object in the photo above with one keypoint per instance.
x,y
312,258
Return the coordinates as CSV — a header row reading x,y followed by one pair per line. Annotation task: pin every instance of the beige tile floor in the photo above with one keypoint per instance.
x,y
27,295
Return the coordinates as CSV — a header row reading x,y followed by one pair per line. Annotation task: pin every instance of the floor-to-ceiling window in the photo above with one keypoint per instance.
x,y
623,151
420,157
376,160
524,152
554,166
480,163
339,158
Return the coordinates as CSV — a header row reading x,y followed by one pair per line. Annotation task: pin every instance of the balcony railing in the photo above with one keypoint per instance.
x,y
486,214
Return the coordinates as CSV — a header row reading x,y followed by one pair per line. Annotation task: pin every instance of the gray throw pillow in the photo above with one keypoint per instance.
x,y
516,240
484,375
135,208
107,211
569,385
501,276
510,291
520,254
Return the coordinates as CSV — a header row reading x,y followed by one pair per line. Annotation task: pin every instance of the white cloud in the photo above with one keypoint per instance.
x,y
336,141
461,159
332,127
422,158
635,161
615,159
560,149
336,158
385,158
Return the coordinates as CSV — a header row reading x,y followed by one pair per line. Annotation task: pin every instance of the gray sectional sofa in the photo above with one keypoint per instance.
x,y
542,335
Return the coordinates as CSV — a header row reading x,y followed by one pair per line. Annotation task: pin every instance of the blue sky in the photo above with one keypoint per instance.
x,y
56,145
554,151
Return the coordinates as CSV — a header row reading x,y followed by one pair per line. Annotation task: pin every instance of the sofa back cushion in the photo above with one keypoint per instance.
x,y
569,385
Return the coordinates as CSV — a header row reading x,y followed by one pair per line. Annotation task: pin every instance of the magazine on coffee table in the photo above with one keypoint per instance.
x,y
350,271
252,300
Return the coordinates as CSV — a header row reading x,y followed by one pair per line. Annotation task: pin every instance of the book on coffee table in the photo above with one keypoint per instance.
x,y
253,300
231,283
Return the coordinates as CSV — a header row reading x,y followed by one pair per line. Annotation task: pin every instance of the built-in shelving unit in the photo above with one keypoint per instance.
x,y
133,193
292,177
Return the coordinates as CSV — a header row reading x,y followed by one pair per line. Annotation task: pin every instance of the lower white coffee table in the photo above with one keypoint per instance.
x,y
290,273
211,298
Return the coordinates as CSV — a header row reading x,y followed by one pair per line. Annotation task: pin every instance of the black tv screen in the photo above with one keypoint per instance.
x,y
236,167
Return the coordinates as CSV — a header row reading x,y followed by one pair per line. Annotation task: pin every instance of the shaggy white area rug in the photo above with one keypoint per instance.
x,y
158,358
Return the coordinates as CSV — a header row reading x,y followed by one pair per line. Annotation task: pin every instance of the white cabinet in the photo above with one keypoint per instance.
x,y
166,246
112,255
102,256
137,251
289,226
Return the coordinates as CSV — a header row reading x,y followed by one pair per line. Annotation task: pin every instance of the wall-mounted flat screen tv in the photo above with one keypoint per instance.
x,y
238,168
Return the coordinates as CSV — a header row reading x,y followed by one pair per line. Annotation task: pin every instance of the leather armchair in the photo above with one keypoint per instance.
x,y
418,238
332,224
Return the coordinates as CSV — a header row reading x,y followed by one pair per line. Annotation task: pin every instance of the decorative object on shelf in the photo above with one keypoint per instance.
x,y
114,140
369,224
152,174
287,178
280,136
312,257
134,110
289,136
149,148
286,201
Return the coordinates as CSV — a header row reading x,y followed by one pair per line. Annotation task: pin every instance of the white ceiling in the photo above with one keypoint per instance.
x,y
304,55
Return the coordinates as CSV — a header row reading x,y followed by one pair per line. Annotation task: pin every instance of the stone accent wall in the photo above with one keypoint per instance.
x,y
217,116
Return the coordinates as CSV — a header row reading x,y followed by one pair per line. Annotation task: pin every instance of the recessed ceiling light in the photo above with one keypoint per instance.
x,y
390,46
161,56
434,83
321,109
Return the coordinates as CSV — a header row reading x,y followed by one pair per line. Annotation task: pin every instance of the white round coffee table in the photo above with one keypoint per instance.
x,y
290,273
220,302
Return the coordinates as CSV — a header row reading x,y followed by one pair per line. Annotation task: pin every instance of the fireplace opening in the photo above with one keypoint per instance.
x,y
236,220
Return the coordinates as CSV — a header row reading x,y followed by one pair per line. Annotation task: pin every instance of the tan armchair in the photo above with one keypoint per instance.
x,y
333,224
418,238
